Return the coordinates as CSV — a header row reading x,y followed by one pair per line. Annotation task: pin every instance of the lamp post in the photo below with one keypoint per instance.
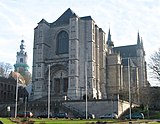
x,y
25,106
112,104
15,114
49,90
129,85
86,89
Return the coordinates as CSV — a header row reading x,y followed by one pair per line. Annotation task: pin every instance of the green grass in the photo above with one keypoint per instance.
x,y
6,121
69,121
63,121
58,121
78,121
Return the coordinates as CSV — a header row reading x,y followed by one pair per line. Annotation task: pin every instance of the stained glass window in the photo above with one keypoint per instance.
x,y
62,42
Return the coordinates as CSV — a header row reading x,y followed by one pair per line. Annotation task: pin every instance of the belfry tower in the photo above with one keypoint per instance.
x,y
21,62
21,65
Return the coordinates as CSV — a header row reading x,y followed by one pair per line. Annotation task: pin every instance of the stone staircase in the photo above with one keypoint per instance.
x,y
75,112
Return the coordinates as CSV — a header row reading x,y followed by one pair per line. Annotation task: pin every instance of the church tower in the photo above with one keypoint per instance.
x,y
21,62
113,70
21,65
110,43
141,62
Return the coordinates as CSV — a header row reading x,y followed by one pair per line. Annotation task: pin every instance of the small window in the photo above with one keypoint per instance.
x,y
12,88
21,60
5,86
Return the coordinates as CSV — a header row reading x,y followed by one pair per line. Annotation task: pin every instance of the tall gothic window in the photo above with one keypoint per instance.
x,y
62,42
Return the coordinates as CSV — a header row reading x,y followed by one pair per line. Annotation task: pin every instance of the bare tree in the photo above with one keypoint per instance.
x,y
5,69
154,64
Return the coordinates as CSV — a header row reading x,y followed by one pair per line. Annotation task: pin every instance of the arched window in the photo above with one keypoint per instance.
x,y
62,42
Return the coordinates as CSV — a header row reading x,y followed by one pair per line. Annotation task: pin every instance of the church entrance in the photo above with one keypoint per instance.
x,y
59,83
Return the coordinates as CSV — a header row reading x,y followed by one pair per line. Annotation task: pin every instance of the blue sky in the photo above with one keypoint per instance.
x,y
18,18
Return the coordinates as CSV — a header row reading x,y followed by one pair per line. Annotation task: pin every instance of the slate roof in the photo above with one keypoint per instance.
x,y
43,21
64,18
7,80
86,18
126,51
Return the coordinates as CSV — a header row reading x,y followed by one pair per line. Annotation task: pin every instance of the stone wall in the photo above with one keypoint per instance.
x,y
100,107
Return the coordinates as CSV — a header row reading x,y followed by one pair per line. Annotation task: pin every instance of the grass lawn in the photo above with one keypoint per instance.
x,y
6,121
69,121
54,121
63,121
90,121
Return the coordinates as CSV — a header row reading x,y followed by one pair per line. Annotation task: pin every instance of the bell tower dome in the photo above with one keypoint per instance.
x,y
21,62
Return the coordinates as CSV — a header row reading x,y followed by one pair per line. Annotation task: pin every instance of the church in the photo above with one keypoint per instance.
x,y
73,54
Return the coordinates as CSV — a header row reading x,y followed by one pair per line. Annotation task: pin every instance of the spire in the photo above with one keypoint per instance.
x,y
22,46
138,39
109,41
109,35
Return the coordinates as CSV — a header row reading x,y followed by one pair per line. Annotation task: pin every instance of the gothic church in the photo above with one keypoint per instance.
x,y
76,54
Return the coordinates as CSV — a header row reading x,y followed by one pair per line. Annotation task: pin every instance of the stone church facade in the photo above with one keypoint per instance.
x,y
75,51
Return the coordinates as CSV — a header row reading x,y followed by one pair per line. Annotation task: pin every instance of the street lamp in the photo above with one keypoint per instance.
x,y
86,89
25,106
129,85
49,91
15,115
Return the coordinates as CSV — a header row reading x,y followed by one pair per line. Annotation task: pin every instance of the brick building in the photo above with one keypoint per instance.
x,y
7,89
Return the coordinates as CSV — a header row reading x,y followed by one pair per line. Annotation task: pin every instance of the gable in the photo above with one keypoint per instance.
x,y
64,18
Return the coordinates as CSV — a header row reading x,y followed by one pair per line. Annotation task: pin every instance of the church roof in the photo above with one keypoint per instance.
x,y
126,51
64,18
43,21
86,18
24,65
